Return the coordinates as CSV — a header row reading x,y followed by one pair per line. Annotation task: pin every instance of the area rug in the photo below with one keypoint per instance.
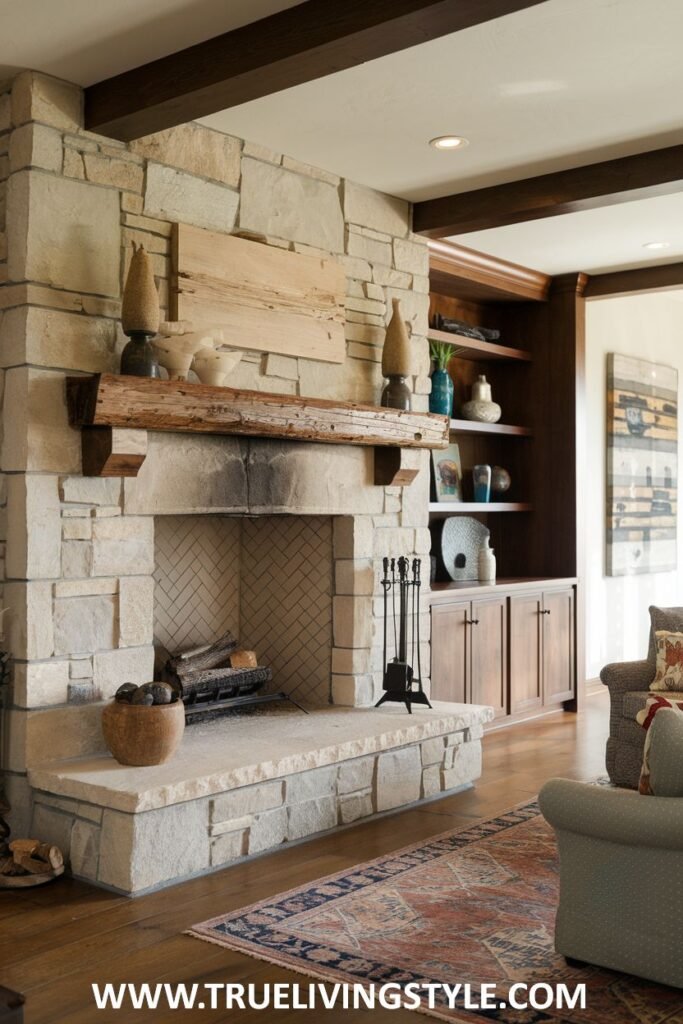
x,y
472,905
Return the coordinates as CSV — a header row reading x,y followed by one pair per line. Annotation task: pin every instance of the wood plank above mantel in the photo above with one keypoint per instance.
x,y
106,405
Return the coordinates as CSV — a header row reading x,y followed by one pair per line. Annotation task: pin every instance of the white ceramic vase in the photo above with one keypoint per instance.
x,y
481,408
487,563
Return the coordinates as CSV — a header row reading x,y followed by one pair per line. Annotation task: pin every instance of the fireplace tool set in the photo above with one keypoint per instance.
x,y
401,683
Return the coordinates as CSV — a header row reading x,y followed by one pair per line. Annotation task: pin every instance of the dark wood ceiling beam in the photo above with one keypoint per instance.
x,y
303,43
643,176
641,279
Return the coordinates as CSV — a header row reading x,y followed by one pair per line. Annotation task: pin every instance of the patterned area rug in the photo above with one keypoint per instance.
x,y
474,905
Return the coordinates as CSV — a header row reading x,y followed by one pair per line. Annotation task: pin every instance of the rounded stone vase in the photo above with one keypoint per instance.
x,y
441,397
142,736
481,408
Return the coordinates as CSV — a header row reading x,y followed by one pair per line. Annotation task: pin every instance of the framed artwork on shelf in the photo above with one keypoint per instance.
x,y
448,473
642,458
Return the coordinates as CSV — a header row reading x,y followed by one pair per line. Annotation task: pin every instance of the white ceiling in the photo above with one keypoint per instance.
x,y
559,85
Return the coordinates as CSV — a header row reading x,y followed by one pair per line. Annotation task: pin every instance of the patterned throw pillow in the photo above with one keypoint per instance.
x,y
645,718
669,666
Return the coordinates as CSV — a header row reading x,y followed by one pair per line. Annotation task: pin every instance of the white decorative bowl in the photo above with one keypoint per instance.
x,y
213,367
176,354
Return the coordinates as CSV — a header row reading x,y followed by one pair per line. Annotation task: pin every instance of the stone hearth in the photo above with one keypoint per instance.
x,y
244,786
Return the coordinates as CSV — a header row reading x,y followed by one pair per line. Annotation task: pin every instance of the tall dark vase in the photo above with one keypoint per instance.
x,y
441,397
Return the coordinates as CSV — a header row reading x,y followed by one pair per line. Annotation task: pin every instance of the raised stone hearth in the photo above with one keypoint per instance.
x,y
249,783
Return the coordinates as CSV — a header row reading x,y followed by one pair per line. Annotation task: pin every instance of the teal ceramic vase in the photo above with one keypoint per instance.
x,y
441,398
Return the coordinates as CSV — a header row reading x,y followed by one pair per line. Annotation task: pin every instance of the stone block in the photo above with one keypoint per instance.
x,y
312,172
353,537
385,276
411,257
76,559
136,611
465,768
73,165
71,341
312,816
233,825
268,830
195,149
352,621
281,366
39,97
76,529
354,691
431,780
80,668
123,546
173,195
393,542
275,201
103,170
28,622
34,527
83,490
259,152
354,576
355,806
53,826
376,210
356,381
20,797
228,847
369,249
40,683
247,800
85,849
350,660
53,734
138,851
433,750
84,624
414,309
126,665
310,785
399,778
74,235
356,775
34,145
90,812
82,691
37,434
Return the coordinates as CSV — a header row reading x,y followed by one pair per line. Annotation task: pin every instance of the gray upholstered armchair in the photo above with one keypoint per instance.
x,y
628,683
621,895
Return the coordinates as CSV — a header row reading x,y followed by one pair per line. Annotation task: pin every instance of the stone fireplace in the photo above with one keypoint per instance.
x,y
214,529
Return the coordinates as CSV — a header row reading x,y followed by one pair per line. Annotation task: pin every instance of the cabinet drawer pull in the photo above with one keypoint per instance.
x,y
472,622
545,611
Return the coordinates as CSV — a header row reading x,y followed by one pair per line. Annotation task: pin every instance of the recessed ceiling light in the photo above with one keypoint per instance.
x,y
449,142
656,245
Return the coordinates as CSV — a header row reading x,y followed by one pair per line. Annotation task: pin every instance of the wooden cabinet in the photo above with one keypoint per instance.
x,y
558,646
526,652
469,652
450,654
511,649
488,659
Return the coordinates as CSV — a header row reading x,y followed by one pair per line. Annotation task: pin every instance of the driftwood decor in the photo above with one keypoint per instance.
x,y
107,407
262,297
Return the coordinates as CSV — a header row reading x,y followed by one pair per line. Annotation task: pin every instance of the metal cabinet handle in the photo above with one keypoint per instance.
x,y
545,611
472,622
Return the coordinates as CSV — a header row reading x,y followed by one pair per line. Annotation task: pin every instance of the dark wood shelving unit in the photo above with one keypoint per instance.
x,y
533,656
502,429
449,508
478,350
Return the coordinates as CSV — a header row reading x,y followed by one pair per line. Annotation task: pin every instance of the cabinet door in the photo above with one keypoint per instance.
x,y
526,666
450,651
488,658
558,645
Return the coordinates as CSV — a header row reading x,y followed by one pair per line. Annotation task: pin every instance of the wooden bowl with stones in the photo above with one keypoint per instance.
x,y
143,734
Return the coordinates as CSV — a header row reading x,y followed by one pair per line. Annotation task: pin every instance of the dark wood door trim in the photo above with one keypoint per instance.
x,y
641,176
303,43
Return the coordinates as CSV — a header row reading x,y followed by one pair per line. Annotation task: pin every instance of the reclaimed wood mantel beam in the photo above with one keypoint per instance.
x,y
109,408
297,45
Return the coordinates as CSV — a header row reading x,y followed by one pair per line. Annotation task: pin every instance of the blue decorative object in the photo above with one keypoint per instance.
x,y
481,476
441,398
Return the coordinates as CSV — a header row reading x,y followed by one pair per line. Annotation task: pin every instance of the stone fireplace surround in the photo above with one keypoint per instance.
x,y
219,800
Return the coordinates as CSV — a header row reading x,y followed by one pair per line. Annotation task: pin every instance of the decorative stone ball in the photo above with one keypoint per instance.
x,y
161,693
500,480
124,694
142,697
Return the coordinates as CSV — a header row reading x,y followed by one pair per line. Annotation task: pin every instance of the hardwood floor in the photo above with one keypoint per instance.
x,y
56,941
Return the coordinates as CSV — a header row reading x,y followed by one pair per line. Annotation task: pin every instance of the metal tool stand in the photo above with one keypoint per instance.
x,y
401,683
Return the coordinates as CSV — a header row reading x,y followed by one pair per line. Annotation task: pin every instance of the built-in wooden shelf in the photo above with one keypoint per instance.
x,y
477,350
447,508
114,413
473,427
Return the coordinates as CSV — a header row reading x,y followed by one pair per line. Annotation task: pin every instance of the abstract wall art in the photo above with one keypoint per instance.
x,y
642,462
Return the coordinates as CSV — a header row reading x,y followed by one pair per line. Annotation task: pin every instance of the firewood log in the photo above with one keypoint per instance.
x,y
243,659
24,845
202,657
52,855
33,865
230,680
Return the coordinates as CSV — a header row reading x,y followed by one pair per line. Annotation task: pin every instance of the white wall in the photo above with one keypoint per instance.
x,y
649,327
